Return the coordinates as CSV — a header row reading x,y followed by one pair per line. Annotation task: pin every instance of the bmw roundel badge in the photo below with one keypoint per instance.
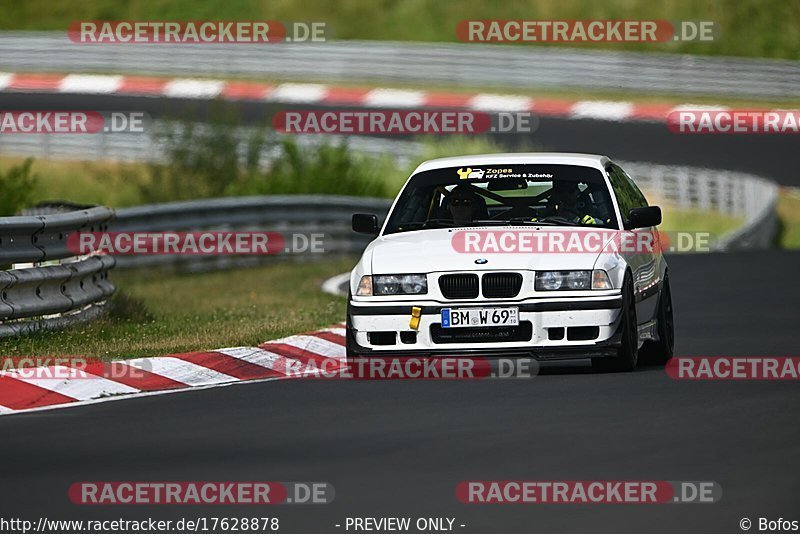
x,y
481,261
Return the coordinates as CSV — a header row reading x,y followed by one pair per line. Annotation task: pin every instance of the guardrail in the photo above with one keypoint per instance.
x,y
47,287
469,65
327,216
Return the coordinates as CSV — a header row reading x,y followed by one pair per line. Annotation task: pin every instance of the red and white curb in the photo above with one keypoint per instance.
x,y
284,358
321,94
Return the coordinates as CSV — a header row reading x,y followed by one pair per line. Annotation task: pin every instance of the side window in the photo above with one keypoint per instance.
x,y
623,190
641,201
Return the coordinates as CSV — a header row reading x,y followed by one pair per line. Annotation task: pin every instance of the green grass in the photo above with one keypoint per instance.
x,y
756,28
163,314
680,220
789,213
676,219
82,182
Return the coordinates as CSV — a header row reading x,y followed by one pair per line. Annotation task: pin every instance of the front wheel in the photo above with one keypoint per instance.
x,y
661,351
628,354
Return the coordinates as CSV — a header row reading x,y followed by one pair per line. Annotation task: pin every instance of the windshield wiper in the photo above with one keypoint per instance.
x,y
540,222
487,222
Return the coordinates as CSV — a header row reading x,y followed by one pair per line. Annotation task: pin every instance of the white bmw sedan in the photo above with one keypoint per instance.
x,y
550,256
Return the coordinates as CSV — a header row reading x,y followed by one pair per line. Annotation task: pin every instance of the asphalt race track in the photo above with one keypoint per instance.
x,y
399,448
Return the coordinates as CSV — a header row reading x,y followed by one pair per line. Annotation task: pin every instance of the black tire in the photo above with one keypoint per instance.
x,y
661,351
628,353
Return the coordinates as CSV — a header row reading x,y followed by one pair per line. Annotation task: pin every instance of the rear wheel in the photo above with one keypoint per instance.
x,y
628,353
660,352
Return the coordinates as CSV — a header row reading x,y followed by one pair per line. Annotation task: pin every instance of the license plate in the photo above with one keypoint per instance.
x,y
463,317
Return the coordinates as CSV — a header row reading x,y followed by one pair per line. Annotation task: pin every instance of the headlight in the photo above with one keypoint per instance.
x,y
414,284
571,280
393,284
386,285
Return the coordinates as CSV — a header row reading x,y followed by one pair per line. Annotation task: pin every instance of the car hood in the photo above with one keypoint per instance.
x,y
433,250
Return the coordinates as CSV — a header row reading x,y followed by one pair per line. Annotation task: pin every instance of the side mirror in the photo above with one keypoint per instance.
x,y
644,217
365,223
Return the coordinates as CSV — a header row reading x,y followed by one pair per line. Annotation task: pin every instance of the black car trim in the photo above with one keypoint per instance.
x,y
605,304
601,349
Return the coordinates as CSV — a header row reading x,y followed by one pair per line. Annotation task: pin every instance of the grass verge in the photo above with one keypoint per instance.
x,y
682,220
789,214
82,182
170,313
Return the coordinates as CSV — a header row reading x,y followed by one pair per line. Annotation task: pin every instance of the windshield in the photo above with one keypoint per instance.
x,y
500,195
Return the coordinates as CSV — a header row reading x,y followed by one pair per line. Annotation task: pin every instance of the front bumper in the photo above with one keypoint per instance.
x,y
596,320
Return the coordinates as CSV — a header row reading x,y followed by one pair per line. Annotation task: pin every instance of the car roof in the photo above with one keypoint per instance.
x,y
562,158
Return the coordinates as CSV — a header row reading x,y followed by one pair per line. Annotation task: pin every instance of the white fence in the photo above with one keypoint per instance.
x,y
753,198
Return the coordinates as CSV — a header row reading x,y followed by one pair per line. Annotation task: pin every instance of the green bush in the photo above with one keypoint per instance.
x,y
203,161
16,188
324,169
220,158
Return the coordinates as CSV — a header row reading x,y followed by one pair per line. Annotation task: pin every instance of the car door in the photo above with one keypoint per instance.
x,y
644,260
